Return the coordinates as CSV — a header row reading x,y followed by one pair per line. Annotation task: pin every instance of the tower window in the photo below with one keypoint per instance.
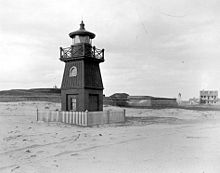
x,y
73,71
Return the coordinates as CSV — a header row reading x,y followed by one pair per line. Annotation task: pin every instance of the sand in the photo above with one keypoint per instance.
x,y
155,141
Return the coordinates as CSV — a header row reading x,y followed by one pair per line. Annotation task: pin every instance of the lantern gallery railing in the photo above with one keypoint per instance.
x,y
65,52
98,53
81,50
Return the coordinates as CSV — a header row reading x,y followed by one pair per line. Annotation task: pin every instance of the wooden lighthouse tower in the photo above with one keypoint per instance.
x,y
82,87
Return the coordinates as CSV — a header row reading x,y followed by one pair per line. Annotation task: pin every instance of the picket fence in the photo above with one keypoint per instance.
x,y
82,118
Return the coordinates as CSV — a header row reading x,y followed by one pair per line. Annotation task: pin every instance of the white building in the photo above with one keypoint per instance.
x,y
208,97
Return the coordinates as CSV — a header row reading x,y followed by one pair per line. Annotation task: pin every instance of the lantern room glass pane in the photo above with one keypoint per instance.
x,y
76,39
81,39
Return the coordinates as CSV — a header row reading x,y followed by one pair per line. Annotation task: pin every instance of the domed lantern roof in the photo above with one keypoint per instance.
x,y
82,32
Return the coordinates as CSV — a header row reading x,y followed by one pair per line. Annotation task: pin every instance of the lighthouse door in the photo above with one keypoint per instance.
x,y
93,102
71,102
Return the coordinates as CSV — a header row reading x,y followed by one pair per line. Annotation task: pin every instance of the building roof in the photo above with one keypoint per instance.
x,y
139,97
82,32
149,98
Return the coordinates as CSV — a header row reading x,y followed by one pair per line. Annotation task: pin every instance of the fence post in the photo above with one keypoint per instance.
x,y
74,117
37,115
65,117
62,116
71,115
80,118
86,118
67,114
54,116
47,117
69,118
50,117
108,116
83,118
57,116
124,111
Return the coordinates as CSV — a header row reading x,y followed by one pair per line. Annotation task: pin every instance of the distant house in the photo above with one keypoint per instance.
x,y
194,101
149,101
123,99
139,101
119,99
208,97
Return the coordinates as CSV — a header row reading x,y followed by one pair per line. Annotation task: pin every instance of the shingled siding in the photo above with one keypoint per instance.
x,y
77,81
92,75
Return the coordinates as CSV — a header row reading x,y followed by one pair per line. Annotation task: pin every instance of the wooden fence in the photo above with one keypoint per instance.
x,y
82,118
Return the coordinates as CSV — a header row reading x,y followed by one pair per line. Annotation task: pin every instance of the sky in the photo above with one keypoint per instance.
x,y
152,47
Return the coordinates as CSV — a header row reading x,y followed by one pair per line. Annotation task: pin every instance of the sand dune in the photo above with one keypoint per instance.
x,y
165,140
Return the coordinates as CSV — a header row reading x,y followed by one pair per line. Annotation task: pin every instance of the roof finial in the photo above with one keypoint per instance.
x,y
82,26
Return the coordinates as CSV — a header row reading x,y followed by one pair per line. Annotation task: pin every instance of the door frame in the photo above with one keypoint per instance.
x,y
69,98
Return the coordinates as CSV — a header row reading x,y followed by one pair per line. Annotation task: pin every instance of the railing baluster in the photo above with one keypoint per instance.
x,y
81,50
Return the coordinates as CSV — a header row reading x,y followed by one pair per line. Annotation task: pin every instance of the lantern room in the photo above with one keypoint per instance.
x,y
81,46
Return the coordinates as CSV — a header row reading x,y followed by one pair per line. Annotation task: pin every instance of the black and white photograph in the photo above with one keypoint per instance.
x,y
109,86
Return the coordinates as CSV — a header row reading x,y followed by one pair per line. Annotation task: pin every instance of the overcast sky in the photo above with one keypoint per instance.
x,y
152,47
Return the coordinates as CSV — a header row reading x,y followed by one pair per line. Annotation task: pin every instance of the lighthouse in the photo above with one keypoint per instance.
x,y
82,87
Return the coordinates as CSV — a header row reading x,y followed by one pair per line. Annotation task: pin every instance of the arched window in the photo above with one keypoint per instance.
x,y
73,71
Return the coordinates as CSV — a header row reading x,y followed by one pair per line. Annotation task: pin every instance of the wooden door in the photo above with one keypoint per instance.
x,y
93,102
71,102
